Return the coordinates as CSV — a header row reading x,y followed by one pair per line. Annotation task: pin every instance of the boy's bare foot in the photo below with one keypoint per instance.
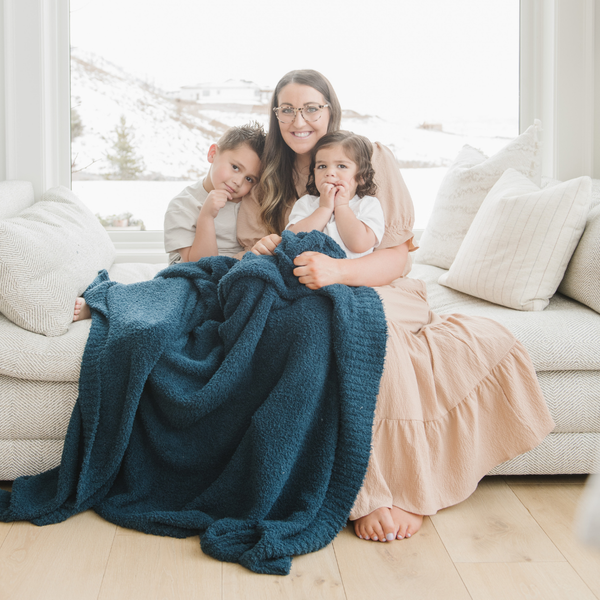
x,y
82,310
386,524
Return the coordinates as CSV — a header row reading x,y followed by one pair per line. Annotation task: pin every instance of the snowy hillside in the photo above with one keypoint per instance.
x,y
171,142
171,138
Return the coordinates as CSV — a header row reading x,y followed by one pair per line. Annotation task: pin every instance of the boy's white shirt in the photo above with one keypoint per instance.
x,y
180,223
367,209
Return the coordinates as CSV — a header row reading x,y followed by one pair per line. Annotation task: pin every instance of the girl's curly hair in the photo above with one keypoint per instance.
x,y
359,149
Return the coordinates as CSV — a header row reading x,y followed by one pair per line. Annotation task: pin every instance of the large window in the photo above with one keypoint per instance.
x,y
154,84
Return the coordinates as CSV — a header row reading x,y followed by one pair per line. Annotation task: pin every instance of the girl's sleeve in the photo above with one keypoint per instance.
x,y
303,207
371,214
394,198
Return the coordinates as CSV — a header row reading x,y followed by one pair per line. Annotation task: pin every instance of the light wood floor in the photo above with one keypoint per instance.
x,y
512,539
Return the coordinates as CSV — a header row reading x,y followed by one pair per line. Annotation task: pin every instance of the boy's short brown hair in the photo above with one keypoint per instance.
x,y
252,134
359,149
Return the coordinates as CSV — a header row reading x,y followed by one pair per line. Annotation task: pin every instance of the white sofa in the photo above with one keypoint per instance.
x,y
39,373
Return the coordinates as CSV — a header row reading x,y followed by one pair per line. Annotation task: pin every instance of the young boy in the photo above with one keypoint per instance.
x,y
201,220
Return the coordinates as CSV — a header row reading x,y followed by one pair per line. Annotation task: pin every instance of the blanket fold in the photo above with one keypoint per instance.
x,y
222,399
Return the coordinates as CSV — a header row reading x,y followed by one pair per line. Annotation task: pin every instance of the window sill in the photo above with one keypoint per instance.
x,y
139,246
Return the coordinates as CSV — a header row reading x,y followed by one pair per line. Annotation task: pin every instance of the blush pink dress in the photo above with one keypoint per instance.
x,y
458,395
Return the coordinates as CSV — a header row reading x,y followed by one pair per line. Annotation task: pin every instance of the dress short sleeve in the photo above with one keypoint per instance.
x,y
394,198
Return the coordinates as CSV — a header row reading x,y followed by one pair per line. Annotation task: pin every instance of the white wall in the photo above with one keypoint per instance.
x,y
36,93
560,44
2,103
597,91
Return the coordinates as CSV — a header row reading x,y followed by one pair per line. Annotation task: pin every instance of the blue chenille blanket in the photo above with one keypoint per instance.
x,y
222,399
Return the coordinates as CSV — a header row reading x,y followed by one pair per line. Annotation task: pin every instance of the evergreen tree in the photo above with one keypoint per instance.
x,y
124,159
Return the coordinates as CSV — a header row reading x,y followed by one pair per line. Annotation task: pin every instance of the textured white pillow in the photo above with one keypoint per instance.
x,y
518,247
582,278
464,188
49,254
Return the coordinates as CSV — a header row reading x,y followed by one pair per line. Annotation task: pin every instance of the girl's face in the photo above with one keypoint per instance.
x,y
300,135
333,165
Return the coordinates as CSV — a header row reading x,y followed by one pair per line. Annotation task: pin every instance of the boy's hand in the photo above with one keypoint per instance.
x,y
327,198
342,194
214,202
266,246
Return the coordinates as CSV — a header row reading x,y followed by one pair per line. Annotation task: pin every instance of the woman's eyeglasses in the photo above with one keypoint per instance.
x,y
310,112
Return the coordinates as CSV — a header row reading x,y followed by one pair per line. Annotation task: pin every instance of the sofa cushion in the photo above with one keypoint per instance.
x,y
464,188
49,254
15,196
28,355
573,399
521,240
564,337
582,278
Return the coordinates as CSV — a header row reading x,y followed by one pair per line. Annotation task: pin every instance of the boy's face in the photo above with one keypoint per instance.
x,y
235,171
333,165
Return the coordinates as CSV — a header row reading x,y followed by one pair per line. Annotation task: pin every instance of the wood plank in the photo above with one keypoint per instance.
x,y
523,581
4,527
554,508
493,526
149,567
63,561
315,576
414,568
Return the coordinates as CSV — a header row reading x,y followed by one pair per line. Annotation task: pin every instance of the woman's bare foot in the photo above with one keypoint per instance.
x,y
82,310
386,524
408,523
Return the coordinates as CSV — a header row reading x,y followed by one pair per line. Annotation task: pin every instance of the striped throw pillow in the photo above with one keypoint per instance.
x,y
519,244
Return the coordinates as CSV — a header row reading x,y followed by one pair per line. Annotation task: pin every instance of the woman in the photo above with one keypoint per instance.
x,y
458,395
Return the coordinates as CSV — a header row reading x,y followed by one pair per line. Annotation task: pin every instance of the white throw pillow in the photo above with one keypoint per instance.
x,y
49,254
520,243
464,188
582,278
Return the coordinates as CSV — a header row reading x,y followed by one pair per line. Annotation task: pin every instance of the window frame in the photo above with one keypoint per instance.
x,y
559,81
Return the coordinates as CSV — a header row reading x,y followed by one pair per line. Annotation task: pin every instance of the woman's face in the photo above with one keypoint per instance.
x,y
300,135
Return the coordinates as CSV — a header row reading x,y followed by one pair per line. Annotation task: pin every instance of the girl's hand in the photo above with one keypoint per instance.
x,y
342,195
214,202
327,198
316,270
266,246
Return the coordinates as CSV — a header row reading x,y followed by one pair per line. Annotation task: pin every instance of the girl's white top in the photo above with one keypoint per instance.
x,y
367,209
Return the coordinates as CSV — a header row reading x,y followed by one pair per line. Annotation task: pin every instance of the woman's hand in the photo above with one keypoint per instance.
x,y
266,246
316,270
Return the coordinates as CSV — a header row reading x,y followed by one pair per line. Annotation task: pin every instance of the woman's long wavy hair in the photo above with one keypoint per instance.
x,y
277,190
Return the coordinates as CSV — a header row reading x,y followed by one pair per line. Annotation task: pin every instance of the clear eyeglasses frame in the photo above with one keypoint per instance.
x,y
310,112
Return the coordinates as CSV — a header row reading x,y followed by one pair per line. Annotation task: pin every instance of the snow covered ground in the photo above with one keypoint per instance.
x,y
148,200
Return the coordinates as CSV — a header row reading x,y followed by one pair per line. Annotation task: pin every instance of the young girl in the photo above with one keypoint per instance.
x,y
340,200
